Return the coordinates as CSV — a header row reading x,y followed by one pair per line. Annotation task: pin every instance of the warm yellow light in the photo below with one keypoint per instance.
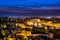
x,y
38,20
39,23
22,25
29,33
35,24
29,23
49,23
25,33
11,38
17,24
29,27
57,24
5,26
45,28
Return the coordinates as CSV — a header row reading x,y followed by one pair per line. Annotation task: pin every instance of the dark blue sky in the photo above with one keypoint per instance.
x,y
29,4
28,14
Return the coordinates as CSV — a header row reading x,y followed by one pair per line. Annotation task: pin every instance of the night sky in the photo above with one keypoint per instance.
x,y
29,4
